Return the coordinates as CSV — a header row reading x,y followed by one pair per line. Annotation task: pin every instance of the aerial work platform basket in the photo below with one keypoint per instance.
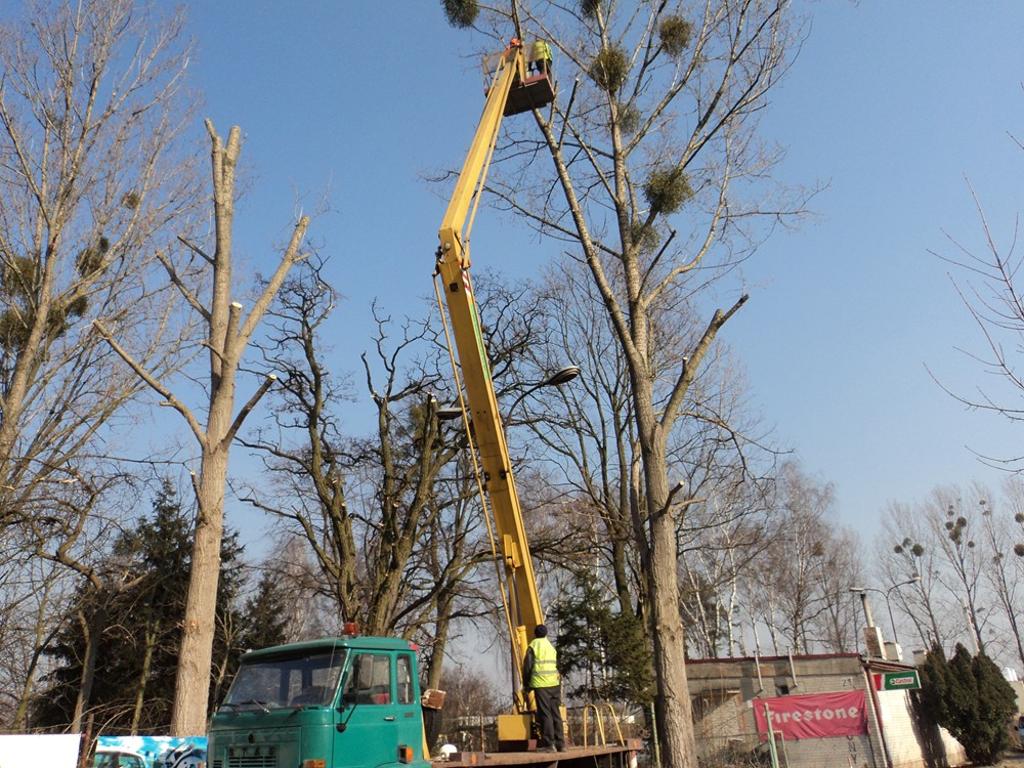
x,y
535,90
532,93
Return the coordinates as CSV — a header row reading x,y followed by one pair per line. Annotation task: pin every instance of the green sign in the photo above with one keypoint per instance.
x,y
897,681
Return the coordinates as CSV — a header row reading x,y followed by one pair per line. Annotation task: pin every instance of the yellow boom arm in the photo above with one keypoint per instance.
x,y
453,266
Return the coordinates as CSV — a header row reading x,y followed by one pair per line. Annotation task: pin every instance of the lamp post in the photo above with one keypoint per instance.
x,y
862,591
556,379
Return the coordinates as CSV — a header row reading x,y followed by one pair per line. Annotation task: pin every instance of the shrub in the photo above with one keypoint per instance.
x,y
969,697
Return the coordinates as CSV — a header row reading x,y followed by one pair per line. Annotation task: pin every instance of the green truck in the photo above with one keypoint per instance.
x,y
334,703
348,702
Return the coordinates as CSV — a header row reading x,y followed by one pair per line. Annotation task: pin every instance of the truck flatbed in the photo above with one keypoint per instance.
x,y
607,756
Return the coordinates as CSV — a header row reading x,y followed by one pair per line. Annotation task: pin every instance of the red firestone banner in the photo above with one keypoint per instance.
x,y
813,715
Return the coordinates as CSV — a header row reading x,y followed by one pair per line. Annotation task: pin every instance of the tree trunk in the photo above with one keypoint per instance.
x,y
39,645
195,659
92,627
152,632
675,719
672,702
436,665
227,336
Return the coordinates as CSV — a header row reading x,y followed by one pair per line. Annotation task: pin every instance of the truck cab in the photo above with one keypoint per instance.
x,y
333,703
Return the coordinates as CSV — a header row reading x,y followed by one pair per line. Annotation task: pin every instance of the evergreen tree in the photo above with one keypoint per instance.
x,y
606,651
935,685
969,697
138,627
997,703
265,618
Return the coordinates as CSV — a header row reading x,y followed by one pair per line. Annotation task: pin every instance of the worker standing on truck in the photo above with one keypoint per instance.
x,y
540,674
540,57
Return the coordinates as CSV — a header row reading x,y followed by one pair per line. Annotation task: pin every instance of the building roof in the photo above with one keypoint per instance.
x,y
762,659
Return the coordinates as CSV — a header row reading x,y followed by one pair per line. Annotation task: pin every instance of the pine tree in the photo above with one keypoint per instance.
x,y
969,697
139,627
265,618
934,685
997,703
608,652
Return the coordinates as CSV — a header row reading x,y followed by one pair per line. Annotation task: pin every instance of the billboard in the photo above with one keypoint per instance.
x,y
34,751
813,715
150,752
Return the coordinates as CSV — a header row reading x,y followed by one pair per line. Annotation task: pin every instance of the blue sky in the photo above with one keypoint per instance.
x,y
892,104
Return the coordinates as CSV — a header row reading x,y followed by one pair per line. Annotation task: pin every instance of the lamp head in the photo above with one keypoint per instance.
x,y
448,413
562,375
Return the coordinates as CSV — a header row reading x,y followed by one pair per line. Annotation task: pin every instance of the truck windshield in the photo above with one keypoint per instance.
x,y
285,681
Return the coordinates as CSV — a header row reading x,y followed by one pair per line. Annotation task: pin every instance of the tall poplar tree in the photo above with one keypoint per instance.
x,y
649,170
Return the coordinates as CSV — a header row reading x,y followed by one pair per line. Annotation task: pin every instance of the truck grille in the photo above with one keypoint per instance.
x,y
246,759
252,761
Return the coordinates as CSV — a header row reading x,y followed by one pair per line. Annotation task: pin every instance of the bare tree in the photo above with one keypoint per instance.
x,y
949,545
655,137
91,184
803,580
390,519
987,282
1001,572
226,336
954,523
907,554
586,431
78,539
33,591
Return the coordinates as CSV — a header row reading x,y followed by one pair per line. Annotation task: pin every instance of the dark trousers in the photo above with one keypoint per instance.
x,y
549,716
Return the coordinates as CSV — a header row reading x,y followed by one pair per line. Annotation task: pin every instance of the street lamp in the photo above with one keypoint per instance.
x,y
448,413
556,379
862,591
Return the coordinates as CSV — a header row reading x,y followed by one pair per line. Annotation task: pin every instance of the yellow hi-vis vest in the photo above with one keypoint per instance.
x,y
545,664
540,51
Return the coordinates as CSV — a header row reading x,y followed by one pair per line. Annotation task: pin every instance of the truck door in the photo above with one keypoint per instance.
x,y
369,716
410,715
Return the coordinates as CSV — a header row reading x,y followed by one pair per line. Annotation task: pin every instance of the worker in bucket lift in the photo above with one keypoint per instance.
x,y
540,674
540,58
